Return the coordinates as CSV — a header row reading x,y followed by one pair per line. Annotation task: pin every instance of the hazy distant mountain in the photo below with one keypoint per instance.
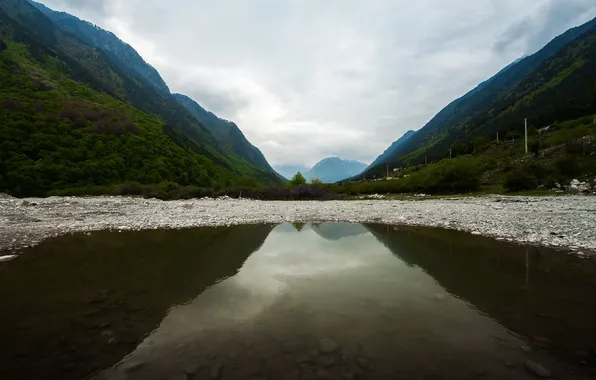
x,y
288,171
335,169
337,231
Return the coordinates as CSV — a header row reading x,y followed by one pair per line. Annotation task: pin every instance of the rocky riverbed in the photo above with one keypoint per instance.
x,y
566,222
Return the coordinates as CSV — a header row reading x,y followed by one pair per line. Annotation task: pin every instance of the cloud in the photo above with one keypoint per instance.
x,y
306,79
548,19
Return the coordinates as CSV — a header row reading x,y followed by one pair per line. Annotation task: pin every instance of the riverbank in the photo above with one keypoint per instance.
x,y
568,223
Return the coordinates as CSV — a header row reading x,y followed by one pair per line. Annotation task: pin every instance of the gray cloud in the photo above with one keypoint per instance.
x,y
306,79
551,19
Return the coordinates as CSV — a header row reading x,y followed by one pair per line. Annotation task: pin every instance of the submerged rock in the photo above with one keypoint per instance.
x,y
327,345
7,257
537,369
215,371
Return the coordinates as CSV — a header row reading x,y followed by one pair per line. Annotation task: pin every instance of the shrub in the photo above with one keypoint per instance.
x,y
448,176
519,180
568,165
51,118
80,122
39,105
69,114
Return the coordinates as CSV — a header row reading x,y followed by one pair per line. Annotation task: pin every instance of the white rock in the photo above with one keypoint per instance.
x,y
7,257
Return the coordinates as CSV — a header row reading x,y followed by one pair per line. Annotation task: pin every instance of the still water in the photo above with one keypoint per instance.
x,y
295,301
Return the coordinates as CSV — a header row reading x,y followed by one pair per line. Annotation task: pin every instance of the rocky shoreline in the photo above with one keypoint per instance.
x,y
565,222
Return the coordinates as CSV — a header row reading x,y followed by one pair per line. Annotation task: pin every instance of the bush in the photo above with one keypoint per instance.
x,y
519,180
457,175
448,176
568,165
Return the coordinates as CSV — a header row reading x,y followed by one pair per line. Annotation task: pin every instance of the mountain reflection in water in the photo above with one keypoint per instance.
x,y
324,300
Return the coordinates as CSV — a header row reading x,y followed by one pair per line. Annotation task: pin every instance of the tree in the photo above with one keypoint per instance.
x,y
316,182
298,179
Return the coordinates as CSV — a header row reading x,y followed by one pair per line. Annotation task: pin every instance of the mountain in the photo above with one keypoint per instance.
x,y
550,85
389,152
108,43
78,116
288,171
129,60
226,132
333,169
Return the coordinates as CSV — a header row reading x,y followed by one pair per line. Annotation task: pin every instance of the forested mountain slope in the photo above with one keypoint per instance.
x,y
226,132
556,83
108,43
231,139
72,118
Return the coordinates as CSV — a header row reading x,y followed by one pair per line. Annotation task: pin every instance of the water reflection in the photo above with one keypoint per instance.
x,y
298,301
77,304
356,305
538,293
336,231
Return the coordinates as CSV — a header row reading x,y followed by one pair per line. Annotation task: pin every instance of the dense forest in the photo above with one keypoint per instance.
x,y
73,120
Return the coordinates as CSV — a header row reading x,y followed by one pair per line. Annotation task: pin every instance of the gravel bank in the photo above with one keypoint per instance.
x,y
567,222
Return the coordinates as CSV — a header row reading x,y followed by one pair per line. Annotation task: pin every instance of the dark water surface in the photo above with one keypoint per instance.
x,y
315,301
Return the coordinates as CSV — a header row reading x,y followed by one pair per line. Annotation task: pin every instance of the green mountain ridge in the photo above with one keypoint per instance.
x,y
226,132
64,102
107,42
501,103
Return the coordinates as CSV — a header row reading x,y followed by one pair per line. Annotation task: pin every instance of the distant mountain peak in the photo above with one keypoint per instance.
x,y
333,169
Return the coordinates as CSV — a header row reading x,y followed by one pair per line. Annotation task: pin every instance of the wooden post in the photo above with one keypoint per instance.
x,y
526,133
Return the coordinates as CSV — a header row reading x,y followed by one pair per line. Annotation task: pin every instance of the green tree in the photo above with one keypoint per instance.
x,y
298,179
316,182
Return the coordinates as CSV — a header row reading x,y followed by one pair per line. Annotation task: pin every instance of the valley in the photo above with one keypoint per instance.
x,y
167,222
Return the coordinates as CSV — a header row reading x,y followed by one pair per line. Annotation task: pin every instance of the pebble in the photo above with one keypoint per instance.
x,y
537,369
364,363
328,346
59,215
132,366
526,349
7,257
215,371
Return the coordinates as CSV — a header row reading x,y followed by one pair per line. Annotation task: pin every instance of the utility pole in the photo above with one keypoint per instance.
x,y
526,132
450,152
497,137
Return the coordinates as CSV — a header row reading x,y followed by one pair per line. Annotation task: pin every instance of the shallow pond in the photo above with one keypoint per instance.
x,y
295,301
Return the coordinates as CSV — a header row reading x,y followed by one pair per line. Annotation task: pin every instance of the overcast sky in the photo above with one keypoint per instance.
x,y
308,79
